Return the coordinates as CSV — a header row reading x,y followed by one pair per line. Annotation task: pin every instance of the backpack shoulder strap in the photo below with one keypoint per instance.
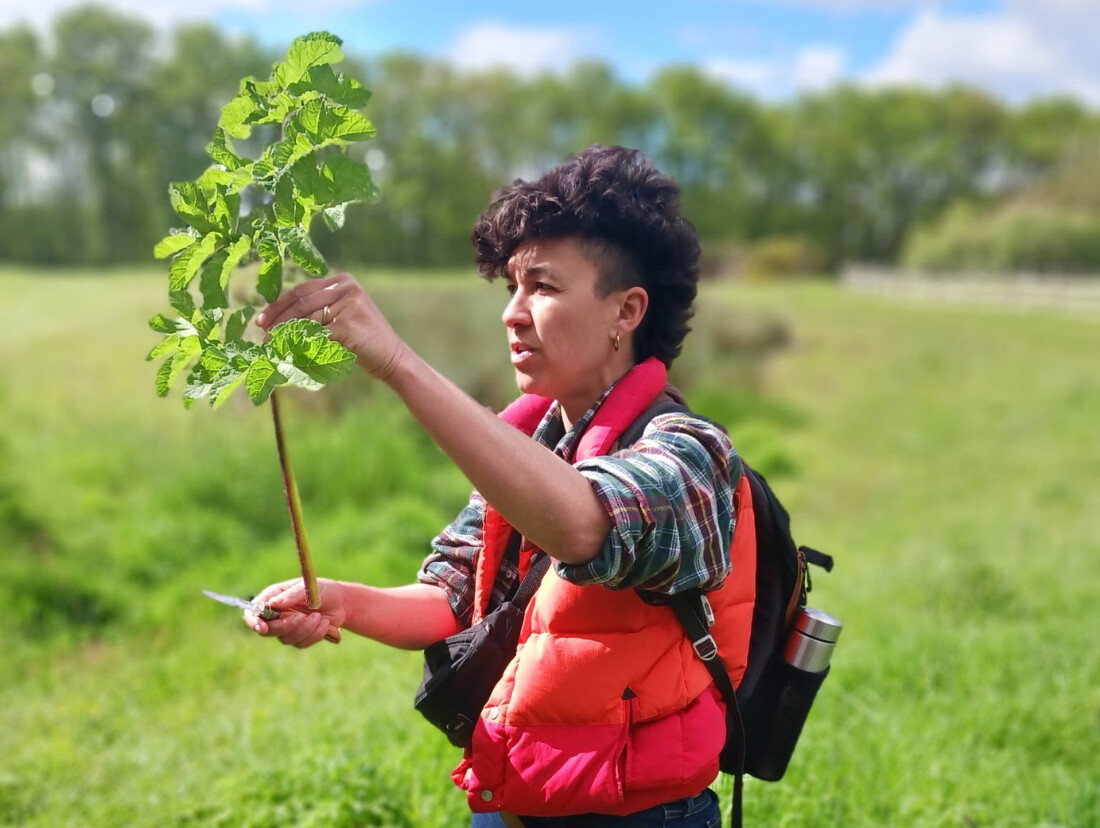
x,y
668,401
531,581
693,610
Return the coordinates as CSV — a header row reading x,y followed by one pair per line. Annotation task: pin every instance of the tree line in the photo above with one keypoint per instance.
x,y
100,115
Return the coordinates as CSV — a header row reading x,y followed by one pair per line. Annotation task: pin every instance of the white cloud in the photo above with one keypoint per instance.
x,y
746,73
1019,50
526,50
818,67
812,68
1032,48
41,13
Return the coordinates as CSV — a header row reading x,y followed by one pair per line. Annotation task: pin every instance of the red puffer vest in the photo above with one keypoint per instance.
x,y
605,708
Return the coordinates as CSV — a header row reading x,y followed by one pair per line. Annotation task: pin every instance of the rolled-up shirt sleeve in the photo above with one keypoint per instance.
x,y
670,499
450,565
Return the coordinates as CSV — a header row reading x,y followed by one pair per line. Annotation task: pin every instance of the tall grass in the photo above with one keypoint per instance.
x,y
946,458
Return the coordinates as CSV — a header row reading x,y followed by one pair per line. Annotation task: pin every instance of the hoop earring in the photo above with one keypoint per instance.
x,y
615,342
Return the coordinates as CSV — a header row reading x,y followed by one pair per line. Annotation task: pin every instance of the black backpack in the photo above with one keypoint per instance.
x,y
766,712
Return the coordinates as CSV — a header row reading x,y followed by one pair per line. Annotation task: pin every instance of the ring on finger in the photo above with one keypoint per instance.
x,y
325,315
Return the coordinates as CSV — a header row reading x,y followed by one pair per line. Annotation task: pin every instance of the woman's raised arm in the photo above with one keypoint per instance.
x,y
540,494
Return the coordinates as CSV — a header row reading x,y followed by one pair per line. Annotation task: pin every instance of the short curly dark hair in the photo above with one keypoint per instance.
x,y
625,214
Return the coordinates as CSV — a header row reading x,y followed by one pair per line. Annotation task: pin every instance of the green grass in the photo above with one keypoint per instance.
x,y
947,458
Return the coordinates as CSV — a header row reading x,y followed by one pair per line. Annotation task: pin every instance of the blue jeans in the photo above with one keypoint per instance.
x,y
700,811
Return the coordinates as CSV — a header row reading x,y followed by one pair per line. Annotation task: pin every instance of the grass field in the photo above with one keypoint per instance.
x,y
946,457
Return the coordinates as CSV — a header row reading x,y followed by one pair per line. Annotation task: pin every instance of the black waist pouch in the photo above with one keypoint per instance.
x,y
461,670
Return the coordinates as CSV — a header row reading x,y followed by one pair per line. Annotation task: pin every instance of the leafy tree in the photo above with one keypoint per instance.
x,y
20,62
717,146
103,64
872,163
849,170
1042,132
433,182
1048,220
199,76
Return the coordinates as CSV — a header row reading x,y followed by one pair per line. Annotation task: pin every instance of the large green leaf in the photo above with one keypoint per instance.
x,y
345,125
235,114
190,203
300,248
288,208
236,251
183,302
305,344
261,379
187,262
269,281
224,210
207,321
224,384
215,374
349,181
210,283
306,52
162,324
311,187
334,86
334,216
285,153
309,119
238,322
221,150
186,349
166,346
276,106
174,243
331,123
229,182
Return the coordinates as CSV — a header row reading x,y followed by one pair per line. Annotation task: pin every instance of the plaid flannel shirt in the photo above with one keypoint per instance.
x,y
670,499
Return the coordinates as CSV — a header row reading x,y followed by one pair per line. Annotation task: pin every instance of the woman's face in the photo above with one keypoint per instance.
x,y
561,332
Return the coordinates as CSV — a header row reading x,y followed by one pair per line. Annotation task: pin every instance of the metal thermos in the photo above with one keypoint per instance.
x,y
812,638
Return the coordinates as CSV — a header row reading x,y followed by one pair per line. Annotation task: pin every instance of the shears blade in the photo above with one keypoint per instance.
x,y
260,608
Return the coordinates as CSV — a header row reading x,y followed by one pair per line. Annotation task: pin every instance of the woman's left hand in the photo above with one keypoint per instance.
x,y
342,305
298,624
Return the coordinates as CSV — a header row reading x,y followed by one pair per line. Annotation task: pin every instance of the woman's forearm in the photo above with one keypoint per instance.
x,y
410,617
536,491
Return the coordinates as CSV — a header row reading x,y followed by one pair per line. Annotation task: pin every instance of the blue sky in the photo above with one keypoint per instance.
x,y
1016,49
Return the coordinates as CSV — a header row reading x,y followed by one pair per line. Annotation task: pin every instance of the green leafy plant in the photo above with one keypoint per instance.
x,y
258,212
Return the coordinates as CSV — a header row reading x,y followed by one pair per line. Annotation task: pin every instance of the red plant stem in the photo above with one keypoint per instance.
x,y
309,574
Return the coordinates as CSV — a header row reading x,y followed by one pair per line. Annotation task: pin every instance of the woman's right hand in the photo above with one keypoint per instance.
x,y
342,305
297,624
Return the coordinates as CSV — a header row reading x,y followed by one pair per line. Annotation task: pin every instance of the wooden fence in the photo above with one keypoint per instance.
x,y
1027,290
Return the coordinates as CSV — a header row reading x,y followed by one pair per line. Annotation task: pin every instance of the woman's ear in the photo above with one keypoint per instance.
x,y
632,308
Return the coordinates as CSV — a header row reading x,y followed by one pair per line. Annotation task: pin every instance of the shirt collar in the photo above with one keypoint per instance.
x,y
551,431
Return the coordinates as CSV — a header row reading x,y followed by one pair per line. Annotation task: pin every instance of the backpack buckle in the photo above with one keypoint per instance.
x,y
706,647
708,611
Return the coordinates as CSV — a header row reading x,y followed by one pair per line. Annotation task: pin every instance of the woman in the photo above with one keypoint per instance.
x,y
605,716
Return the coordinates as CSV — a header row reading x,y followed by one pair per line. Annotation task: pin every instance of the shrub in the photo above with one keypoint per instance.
x,y
1020,237
778,256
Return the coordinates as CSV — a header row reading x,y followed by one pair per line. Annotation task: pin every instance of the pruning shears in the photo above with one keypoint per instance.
x,y
262,609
